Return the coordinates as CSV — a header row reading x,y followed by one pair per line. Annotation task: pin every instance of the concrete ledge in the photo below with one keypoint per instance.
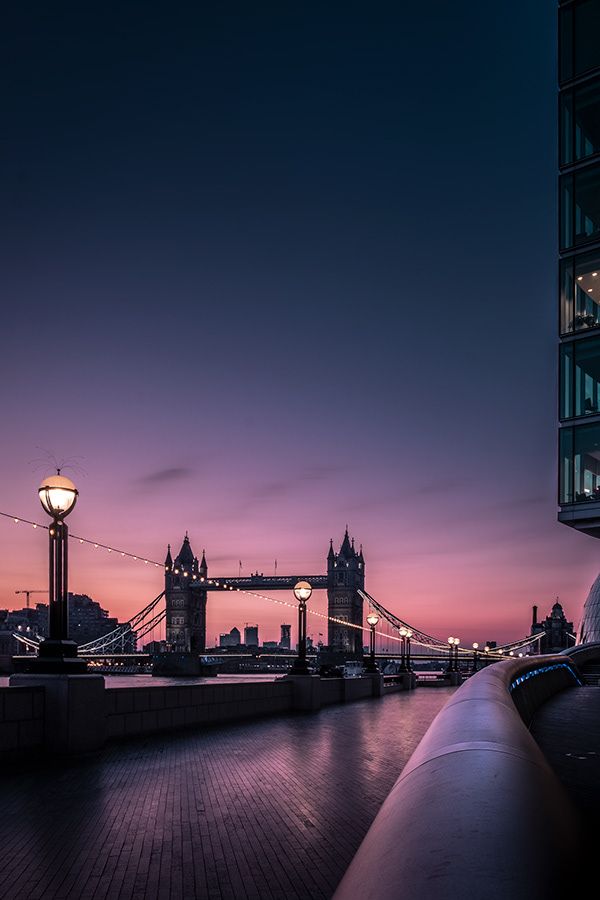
x,y
21,721
477,808
76,713
74,710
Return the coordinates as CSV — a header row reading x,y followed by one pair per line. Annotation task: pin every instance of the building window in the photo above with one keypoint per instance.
x,y
580,379
579,46
580,292
580,207
579,455
580,122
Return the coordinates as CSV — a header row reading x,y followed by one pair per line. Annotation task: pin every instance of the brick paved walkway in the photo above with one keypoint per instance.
x,y
272,809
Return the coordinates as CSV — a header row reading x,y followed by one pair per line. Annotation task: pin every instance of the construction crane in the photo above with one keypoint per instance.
x,y
36,591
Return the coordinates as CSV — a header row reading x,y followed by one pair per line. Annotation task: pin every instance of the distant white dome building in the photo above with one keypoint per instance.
x,y
589,630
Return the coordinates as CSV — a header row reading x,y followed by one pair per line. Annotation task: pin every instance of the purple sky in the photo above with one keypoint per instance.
x,y
271,271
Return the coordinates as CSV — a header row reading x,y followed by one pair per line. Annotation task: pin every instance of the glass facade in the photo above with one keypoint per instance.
x,y
579,264
580,122
580,379
579,48
580,292
579,455
589,630
580,207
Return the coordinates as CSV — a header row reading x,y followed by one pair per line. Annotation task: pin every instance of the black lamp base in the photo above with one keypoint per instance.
x,y
299,668
54,657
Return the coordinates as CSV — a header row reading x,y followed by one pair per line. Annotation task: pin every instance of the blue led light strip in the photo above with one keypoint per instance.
x,y
541,671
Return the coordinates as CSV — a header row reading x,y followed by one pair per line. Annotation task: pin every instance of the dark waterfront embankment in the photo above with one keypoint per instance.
x,y
273,809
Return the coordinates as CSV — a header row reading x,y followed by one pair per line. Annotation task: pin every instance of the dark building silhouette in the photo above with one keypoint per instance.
x,y
251,635
185,609
231,638
558,633
87,621
345,577
285,641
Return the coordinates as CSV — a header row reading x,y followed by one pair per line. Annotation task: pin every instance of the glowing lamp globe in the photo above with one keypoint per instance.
x,y
450,640
58,495
475,645
302,591
409,634
372,619
402,632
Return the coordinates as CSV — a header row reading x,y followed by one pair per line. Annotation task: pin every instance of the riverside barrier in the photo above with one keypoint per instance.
x,y
78,713
477,810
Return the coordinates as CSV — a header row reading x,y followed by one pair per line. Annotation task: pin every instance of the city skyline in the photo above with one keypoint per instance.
x,y
282,263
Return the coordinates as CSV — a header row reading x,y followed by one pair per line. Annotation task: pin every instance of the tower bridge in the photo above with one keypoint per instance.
x,y
187,584
181,605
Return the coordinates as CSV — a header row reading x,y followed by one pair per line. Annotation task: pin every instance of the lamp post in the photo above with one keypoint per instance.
x,y
486,650
58,495
475,648
403,649
302,592
451,656
372,620
408,637
456,643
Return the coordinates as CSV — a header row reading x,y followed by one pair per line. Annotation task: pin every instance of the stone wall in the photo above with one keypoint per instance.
x,y
70,714
21,720
139,711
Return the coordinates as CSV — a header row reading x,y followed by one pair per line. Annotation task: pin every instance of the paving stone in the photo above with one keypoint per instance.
x,y
271,809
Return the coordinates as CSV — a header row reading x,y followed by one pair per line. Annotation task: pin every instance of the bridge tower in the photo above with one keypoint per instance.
x,y
186,608
345,576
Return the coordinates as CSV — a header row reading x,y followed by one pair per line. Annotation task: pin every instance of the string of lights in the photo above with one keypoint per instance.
x,y
97,545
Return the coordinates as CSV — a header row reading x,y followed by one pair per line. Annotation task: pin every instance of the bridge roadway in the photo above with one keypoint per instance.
x,y
273,809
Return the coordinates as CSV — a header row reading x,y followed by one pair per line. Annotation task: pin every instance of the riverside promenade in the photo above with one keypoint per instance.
x,y
272,809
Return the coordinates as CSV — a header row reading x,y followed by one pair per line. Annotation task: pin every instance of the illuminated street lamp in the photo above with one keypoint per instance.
x,y
475,649
58,495
409,634
402,633
487,654
302,592
372,620
456,643
451,659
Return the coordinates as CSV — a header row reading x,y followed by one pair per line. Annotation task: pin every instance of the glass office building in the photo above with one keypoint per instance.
x,y
579,264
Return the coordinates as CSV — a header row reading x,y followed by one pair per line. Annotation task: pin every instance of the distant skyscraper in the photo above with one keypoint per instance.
x,y
579,265
251,635
231,638
285,641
